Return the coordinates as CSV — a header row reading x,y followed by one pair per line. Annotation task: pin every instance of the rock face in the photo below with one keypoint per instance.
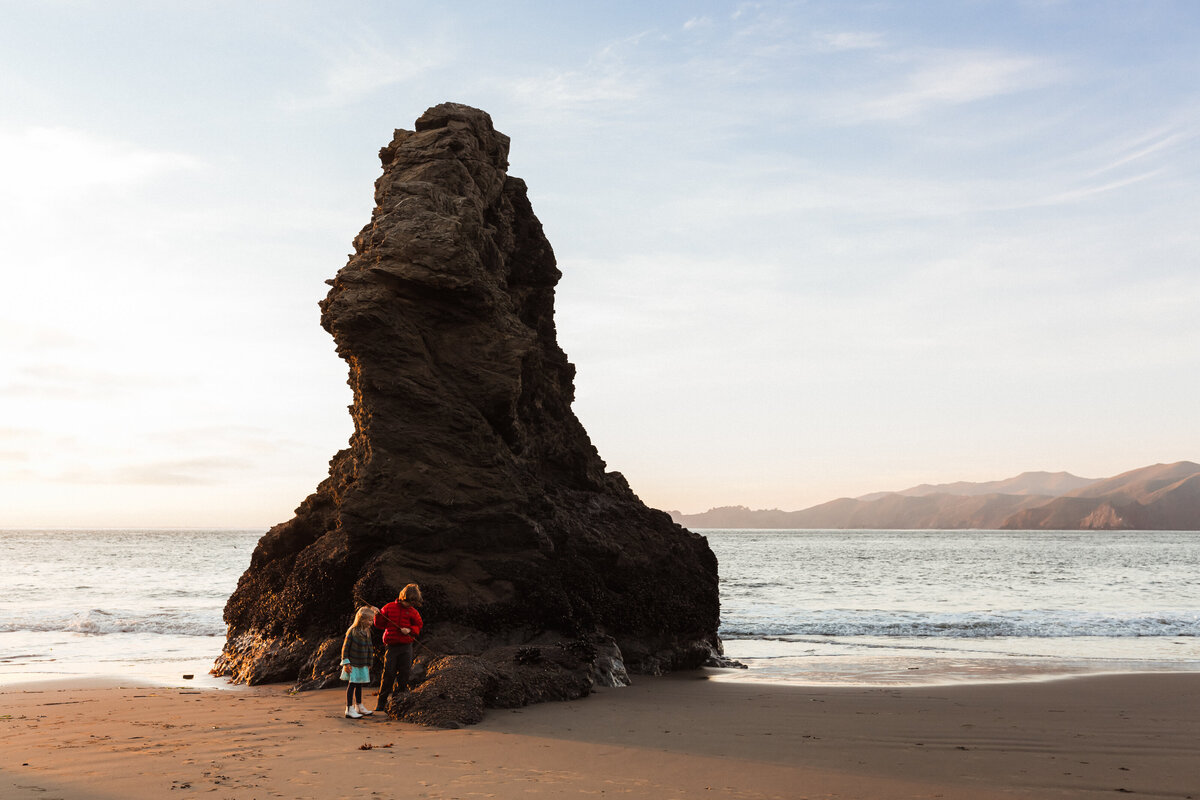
x,y
467,472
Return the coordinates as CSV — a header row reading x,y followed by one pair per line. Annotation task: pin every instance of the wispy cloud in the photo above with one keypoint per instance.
x,y
181,472
60,165
1086,192
745,8
249,440
1142,147
848,40
949,78
609,77
68,380
574,89
37,340
23,448
358,65
1107,167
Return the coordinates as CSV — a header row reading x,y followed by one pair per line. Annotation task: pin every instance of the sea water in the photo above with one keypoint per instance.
x,y
914,607
807,607
125,603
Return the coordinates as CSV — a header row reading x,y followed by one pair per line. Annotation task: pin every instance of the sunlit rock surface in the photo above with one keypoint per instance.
x,y
468,473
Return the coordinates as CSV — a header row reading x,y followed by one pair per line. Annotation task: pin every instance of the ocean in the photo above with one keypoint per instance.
x,y
126,603
882,608
893,608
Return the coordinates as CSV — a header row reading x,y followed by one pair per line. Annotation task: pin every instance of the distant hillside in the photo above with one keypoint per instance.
x,y
1050,484
1159,497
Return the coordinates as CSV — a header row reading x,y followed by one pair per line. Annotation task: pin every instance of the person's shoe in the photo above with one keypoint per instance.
x,y
352,713
363,710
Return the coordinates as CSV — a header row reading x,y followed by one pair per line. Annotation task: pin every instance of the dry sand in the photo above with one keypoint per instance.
x,y
675,737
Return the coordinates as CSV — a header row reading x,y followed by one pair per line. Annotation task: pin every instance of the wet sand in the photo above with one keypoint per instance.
x,y
675,737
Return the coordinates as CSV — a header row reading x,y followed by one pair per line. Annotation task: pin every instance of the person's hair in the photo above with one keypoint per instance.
x,y
362,619
411,595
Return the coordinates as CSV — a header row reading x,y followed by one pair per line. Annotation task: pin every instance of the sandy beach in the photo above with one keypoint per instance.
x,y
682,736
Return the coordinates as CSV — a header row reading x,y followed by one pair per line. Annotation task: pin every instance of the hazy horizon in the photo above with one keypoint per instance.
x,y
809,250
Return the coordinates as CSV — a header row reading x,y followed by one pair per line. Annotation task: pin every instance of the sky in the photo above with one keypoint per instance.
x,y
809,249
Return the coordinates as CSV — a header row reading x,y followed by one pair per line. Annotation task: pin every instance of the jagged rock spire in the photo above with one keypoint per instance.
x,y
467,471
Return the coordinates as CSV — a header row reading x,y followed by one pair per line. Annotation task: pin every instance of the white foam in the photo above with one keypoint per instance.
x,y
1026,624
99,622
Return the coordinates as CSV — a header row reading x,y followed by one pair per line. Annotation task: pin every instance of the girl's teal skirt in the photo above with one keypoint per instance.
x,y
357,675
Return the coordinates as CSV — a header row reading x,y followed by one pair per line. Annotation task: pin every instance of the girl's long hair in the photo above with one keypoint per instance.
x,y
362,620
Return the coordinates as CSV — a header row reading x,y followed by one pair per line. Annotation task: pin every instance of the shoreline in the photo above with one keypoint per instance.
x,y
934,674
808,671
683,735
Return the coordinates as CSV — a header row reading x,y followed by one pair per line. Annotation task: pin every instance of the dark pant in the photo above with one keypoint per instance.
x,y
397,663
354,693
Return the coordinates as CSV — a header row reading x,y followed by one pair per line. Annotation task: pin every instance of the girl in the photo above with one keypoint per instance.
x,y
401,623
357,654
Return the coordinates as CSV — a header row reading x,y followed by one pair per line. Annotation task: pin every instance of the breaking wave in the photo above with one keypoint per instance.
x,y
1030,624
98,622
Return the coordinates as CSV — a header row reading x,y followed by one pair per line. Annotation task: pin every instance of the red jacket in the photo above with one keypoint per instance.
x,y
392,617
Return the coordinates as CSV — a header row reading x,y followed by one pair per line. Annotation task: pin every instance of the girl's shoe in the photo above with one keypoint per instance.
x,y
363,711
352,713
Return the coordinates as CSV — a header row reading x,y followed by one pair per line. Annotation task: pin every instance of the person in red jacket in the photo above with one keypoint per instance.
x,y
401,622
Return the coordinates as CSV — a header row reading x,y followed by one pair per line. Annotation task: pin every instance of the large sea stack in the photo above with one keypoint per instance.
x,y
467,472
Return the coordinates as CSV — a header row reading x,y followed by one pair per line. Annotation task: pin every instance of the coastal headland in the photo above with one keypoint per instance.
x,y
679,736
1160,497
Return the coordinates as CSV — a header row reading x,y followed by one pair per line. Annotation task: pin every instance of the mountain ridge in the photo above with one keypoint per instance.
x,y
1156,497
1044,483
